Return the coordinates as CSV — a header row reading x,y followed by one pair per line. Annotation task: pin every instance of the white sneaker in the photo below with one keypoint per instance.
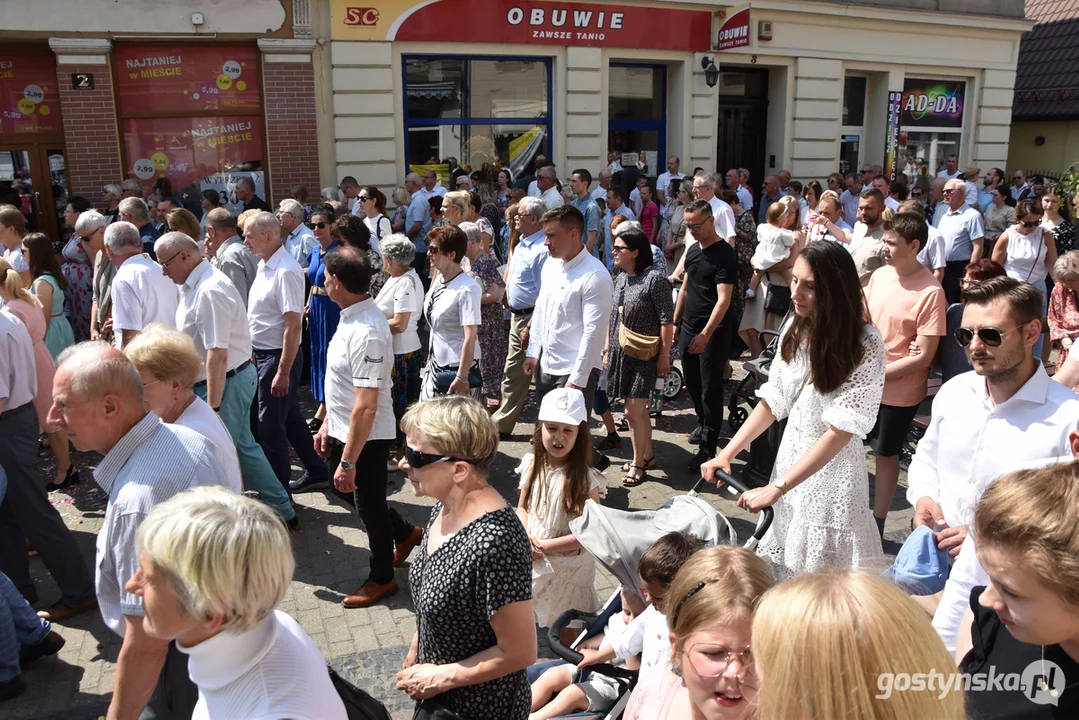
x,y
750,292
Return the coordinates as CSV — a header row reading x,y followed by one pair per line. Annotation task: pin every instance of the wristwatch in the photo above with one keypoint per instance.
x,y
781,483
346,465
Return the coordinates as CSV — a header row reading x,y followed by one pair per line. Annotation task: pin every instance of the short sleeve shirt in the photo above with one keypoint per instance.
x,y
141,295
403,294
18,369
706,269
277,289
419,212
960,229
360,355
867,249
903,308
212,312
449,308
932,255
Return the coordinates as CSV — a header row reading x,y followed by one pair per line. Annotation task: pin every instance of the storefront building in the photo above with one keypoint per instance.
x,y
811,87
202,95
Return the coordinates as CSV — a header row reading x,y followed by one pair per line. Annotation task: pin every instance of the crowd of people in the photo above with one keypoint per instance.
x,y
174,343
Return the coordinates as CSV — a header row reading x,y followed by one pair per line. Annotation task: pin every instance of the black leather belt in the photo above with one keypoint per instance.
x,y
238,369
522,311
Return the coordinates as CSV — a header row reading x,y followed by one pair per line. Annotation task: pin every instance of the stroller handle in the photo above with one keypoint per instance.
x,y
736,487
572,656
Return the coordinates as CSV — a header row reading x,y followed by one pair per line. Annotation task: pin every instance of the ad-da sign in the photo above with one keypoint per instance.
x,y
521,22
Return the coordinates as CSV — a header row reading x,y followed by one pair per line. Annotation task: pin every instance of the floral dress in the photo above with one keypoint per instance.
x,y
825,521
78,270
643,302
1064,237
665,217
743,248
494,341
559,582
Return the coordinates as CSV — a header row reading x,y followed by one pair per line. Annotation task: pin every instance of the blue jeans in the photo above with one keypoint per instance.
x,y
236,414
19,625
281,422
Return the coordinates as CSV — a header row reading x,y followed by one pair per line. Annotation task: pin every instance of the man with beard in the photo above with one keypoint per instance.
x,y
1006,415
867,242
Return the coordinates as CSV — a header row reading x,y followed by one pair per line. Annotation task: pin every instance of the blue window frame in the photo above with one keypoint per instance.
x,y
637,111
486,111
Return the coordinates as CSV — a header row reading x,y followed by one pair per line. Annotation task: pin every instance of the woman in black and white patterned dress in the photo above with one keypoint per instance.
x,y
472,574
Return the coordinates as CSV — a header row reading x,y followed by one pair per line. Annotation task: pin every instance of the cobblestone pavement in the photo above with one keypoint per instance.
x,y
365,645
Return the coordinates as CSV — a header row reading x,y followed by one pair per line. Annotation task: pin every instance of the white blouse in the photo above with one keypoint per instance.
x,y
403,294
1026,258
449,308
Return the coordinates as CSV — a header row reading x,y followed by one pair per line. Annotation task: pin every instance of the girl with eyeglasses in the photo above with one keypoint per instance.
x,y
1028,253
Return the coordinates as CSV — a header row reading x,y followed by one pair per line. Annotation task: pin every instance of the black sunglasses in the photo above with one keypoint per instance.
x,y
318,225
417,459
990,336
362,198
1030,225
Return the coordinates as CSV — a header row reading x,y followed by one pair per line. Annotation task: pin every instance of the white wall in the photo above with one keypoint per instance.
x,y
142,16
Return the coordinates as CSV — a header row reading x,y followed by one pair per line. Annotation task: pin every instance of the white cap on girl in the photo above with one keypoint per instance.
x,y
563,405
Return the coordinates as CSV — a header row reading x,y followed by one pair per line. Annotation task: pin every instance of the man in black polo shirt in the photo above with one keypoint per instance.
x,y
245,193
711,266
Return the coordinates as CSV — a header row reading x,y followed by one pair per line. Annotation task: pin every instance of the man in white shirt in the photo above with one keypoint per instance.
x,y
548,188
1004,416
733,181
932,255
523,283
663,182
25,510
881,183
297,238
140,293
704,188
227,252
572,312
533,187
212,312
951,168
360,428
964,236
274,315
849,199
600,193
635,195
418,220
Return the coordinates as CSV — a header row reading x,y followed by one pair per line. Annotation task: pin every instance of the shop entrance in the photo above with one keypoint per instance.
x,y
637,116
33,178
743,120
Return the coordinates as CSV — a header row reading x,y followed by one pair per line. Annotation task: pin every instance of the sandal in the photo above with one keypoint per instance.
x,y
649,464
632,479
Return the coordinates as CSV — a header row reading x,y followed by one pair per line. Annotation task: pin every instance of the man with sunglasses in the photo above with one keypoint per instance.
x,y
227,252
360,428
90,227
1021,188
1005,415
964,236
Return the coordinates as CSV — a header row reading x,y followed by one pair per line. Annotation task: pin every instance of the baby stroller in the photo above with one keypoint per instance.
x,y
617,539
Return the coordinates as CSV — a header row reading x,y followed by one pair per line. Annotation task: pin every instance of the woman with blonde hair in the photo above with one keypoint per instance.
x,y
471,578
169,365
837,645
456,206
402,200
213,567
183,220
243,218
1026,537
711,604
18,301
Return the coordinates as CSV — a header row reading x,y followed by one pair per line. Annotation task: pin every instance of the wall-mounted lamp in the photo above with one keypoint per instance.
x,y
711,72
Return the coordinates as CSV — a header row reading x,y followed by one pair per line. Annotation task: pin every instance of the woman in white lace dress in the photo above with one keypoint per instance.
x,y
827,381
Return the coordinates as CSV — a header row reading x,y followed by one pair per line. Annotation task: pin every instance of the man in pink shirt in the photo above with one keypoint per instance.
x,y
906,303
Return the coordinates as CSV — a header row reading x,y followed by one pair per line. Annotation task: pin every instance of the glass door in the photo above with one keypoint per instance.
x,y
33,179
637,116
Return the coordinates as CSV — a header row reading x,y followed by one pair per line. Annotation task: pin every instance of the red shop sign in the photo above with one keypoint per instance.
x,y
171,78
555,23
734,32
29,98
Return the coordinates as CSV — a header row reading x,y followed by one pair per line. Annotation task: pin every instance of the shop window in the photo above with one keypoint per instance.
x,y
851,148
488,113
854,100
637,114
193,115
931,122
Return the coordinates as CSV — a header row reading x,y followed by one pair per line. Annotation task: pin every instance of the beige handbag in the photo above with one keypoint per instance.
x,y
636,345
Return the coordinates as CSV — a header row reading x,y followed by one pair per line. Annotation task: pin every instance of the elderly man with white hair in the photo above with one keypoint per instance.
x,y
137,212
227,252
212,312
98,404
547,184
140,293
132,188
90,227
113,194
297,238
247,658
964,236
274,315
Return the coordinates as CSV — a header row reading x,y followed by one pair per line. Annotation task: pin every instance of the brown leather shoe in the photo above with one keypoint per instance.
x,y
370,593
403,549
61,611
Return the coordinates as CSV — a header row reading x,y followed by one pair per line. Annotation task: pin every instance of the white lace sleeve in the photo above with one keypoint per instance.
x,y
853,407
784,380
524,470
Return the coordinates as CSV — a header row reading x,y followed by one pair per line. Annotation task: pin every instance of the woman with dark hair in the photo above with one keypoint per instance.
x,y
826,380
350,230
78,271
49,285
811,194
372,207
211,200
639,342
322,313
502,193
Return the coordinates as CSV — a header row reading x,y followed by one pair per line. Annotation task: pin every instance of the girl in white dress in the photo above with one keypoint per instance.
x,y
827,381
555,483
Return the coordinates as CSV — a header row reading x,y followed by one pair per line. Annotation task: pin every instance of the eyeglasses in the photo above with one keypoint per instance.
x,y
166,263
318,225
711,661
916,194
618,248
433,249
947,192
990,336
362,198
417,459
1030,225
698,226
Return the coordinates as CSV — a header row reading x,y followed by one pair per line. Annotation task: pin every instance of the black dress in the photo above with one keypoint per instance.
x,y
643,302
484,567
996,652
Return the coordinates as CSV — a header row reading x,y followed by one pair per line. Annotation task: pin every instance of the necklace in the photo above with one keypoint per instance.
x,y
1043,685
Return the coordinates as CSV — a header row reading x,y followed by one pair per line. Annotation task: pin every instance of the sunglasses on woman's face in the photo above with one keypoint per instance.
x,y
1029,225
990,336
318,225
417,459
362,198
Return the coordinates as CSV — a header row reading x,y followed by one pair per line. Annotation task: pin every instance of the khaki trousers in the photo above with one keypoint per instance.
x,y
514,381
